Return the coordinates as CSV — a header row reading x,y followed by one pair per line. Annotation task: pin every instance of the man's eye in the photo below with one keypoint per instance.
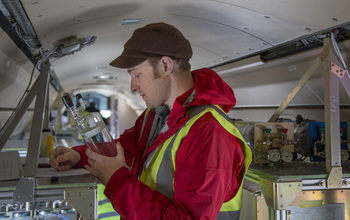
x,y
137,76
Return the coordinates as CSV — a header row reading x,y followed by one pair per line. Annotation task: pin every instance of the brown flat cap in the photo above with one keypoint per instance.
x,y
153,40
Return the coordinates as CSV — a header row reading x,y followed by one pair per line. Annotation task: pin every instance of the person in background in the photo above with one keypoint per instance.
x,y
183,158
92,107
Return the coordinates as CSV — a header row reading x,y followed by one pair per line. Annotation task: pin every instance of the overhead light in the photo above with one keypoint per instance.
x,y
131,21
101,67
105,77
239,65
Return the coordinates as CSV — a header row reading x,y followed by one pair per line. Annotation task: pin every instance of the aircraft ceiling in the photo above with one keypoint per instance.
x,y
219,31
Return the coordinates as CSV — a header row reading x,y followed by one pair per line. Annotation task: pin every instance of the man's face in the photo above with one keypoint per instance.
x,y
153,90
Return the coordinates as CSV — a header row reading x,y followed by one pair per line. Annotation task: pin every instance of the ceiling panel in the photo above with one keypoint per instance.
x,y
219,31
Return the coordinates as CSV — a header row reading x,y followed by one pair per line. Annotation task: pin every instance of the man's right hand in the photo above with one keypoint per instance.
x,y
67,158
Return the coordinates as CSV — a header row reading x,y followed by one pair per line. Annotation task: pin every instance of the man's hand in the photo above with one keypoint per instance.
x,y
67,158
104,167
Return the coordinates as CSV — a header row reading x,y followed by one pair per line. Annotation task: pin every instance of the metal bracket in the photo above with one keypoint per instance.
x,y
337,70
278,195
24,191
335,178
84,200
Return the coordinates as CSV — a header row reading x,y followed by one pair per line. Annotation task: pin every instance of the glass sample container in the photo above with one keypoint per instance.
x,y
92,128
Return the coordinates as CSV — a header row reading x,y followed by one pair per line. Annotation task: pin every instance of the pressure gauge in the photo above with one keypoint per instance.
x,y
273,155
287,156
344,154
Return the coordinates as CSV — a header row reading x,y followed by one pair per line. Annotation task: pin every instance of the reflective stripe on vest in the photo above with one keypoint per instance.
x,y
105,209
159,177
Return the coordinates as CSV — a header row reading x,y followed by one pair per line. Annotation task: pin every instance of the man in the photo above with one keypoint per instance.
x,y
92,107
183,159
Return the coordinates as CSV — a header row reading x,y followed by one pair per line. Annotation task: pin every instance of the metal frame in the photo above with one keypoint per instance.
x,y
31,163
80,192
326,62
274,189
273,192
303,80
24,190
29,189
38,90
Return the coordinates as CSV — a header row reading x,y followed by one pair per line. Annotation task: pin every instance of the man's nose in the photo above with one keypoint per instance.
x,y
133,87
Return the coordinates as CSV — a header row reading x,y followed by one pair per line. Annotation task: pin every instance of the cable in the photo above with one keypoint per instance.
x,y
44,55
338,52
24,94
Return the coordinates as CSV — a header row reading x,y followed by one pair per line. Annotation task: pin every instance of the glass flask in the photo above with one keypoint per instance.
x,y
92,128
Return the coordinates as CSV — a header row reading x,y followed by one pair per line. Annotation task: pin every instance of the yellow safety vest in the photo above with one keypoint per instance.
x,y
105,209
158,177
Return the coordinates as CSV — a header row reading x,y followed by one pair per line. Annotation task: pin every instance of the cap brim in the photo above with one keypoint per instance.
x,y
126,62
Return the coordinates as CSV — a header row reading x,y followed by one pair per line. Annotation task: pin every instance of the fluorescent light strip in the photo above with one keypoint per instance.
x,y
131,21
239,65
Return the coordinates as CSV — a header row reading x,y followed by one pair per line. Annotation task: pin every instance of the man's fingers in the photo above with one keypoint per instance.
x,y
91,154
54,164
63,157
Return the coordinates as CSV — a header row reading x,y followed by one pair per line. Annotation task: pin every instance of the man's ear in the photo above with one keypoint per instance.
x,y
166,65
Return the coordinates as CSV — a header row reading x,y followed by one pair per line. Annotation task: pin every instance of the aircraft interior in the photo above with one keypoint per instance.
x,y
286,61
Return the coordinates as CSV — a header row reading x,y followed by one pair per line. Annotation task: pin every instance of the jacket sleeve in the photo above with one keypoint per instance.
x,y
207,173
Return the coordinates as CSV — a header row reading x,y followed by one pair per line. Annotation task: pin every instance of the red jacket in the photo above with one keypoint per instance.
x,y
208,162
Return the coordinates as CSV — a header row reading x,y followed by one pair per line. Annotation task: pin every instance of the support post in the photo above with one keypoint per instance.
x,y
31,163
331,108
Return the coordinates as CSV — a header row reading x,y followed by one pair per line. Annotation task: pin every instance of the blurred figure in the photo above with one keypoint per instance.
x,y
92,107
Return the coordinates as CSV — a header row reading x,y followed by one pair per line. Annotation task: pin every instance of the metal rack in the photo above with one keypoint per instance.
x,y
289,191
28,192
76,195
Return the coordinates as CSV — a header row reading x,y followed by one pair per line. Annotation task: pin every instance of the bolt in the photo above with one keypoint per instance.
x,y
322,183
